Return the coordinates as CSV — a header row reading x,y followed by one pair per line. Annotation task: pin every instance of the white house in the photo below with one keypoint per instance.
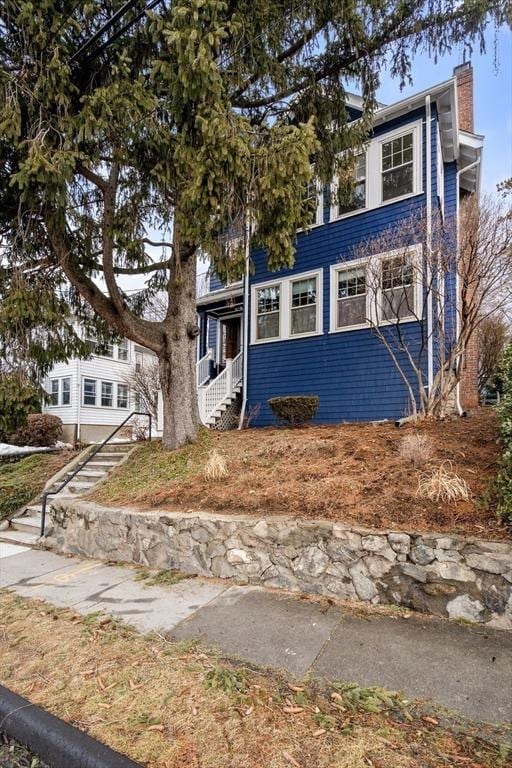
x,y
93,396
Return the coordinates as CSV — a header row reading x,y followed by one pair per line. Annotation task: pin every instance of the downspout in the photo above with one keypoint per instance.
x,y
474,164
79,402
246,319
428,163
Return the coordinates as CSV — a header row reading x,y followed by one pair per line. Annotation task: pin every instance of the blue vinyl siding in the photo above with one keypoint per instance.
x,y
351,372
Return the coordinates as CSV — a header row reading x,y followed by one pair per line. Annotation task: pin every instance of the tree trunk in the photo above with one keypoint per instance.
x,y
177,361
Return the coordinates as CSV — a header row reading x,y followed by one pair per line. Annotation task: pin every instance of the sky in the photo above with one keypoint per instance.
x,y
492,98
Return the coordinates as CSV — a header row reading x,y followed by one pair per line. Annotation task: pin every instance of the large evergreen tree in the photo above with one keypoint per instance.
x,y
120,118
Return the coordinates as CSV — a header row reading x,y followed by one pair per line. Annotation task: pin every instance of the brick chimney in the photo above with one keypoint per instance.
x,y
464,76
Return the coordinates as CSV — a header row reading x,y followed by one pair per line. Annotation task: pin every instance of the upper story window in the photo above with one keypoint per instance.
x,y
119,351
389,169
351,310
268,312
60,391
301,299
358,197
397,299
122,350
303,306
314,200
397,166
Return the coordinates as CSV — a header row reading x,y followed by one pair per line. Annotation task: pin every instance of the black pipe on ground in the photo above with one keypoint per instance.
x,y
54,741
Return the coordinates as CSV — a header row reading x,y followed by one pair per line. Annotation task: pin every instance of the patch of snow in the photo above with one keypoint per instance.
x,y
62,446
18,450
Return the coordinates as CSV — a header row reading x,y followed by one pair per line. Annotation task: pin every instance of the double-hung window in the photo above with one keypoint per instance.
x,y
351,297
357,199
313,202
303,306
288,309
89,392
397,166
107,394
268,306
65,396
54,392
397,288
122,396
122,350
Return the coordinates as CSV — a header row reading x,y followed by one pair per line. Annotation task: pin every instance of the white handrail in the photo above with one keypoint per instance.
x,y
222,387
203,368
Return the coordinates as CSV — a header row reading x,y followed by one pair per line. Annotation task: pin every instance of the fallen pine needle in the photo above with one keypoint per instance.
x,y
291,759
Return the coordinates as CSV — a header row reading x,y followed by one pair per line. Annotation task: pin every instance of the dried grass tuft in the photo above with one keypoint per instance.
x,y
216,467
416,448
443,485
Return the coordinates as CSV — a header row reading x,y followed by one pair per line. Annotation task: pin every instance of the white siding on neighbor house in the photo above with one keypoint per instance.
x,y
100,369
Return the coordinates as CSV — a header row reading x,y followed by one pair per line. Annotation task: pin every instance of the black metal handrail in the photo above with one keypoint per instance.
x,y
82,464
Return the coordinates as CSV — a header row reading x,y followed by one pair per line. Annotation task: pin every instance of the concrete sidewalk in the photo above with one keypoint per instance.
x,y
468,669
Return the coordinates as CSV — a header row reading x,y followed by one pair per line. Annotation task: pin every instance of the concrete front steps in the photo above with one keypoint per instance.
x,y
24,529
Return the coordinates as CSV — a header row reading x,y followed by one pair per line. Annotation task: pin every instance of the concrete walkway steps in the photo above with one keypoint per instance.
x,y
29,519
464,668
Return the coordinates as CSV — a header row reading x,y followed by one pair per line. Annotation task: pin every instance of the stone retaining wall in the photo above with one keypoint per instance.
x,y
450,576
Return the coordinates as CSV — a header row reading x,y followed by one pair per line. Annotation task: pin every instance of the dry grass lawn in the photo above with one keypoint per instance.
x,y
355,473
171,706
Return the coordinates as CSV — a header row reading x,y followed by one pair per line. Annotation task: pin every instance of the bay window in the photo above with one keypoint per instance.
x,y
107,394
89,392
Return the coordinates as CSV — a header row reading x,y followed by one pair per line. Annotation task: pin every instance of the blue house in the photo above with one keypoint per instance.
x,y
305,330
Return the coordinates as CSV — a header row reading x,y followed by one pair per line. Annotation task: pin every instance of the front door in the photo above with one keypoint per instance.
x,y
231,338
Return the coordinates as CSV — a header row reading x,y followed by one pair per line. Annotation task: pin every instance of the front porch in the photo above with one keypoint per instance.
x,y
219,369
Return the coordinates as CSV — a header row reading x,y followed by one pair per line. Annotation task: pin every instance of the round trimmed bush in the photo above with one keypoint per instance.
x,y
41,429
294,409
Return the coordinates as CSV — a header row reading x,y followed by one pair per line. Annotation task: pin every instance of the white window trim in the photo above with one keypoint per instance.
x,y
417,169
97,404
114,393
120,407
371,303
285,307
335,269
115,351
61,392
415,251
83,403
373,150
333,215
319,214
59,403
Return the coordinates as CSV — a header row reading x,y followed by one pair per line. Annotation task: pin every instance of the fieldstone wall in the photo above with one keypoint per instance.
x,y
451,576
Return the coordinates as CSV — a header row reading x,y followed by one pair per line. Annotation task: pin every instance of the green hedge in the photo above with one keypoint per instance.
x,y
294,409
503,482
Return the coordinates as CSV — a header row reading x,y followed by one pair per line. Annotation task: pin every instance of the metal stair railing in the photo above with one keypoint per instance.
x,y
84,463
